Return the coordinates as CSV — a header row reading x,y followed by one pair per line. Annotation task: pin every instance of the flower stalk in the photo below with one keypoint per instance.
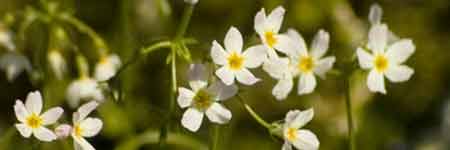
x,y
255,116
348,103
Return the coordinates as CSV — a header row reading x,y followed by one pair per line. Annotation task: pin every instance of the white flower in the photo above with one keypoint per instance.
x,y
234,62
293,135
32,121
107,67
192,2
300,63
6,38
57,63
202,99
84,88
63,131
14,63
385,60
268,27
84,126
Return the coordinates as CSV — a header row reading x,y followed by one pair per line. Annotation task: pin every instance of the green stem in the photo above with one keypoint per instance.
x,y
348,102
100,44
189,9
216,137
255,115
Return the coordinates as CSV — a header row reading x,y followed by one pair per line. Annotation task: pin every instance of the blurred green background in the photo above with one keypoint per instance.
x,y
413,115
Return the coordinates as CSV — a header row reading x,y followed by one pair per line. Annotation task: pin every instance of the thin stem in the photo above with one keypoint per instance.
x,y
348,102
216,137
255,115
184,21
156,46
83,28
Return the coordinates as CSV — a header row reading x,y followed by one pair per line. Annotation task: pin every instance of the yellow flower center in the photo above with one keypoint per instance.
x,y
306,64
381,63
202,100
270,38
34,121
235,61
77,130
291,134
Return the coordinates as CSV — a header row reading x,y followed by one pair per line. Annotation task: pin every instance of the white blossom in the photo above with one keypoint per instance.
x,y
107,67
295,136
14,63
57,63
84,126
84,88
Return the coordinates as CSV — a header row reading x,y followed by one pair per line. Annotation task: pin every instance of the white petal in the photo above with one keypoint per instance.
x,y
297,119
260,20
399,73
63,131
324,65
400,51
307,84
197,85
306,140
34,102
254,56
286,146
320,44
375,14
44,134
24,130
51,115
375,82
275,19
198,72
364,58
233,40
244,76
221,91
218,114
91,127
283,88
218,54
284,44
226,75
20,110
185,97
85,110
82,144
192,119
298,43
276,67
378,38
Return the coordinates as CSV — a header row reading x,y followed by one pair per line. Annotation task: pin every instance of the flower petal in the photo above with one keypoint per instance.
x,y
197,85
286,146
221,91
277,67
91,127
320,44
82,144
244,76
233,40
298,43
218,114
24,130
324,65
306,140
44,134
20,110
378,38
85,110
375,14
364,58
400,51
226,75
399,73
297,119
275,19
375,82
307,83
192,119
51,115
185,97
284,44
198,72
283,88
260,20
34,102
254,56
218,54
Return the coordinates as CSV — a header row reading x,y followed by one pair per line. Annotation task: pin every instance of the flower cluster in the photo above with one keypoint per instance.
x,y
32,122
